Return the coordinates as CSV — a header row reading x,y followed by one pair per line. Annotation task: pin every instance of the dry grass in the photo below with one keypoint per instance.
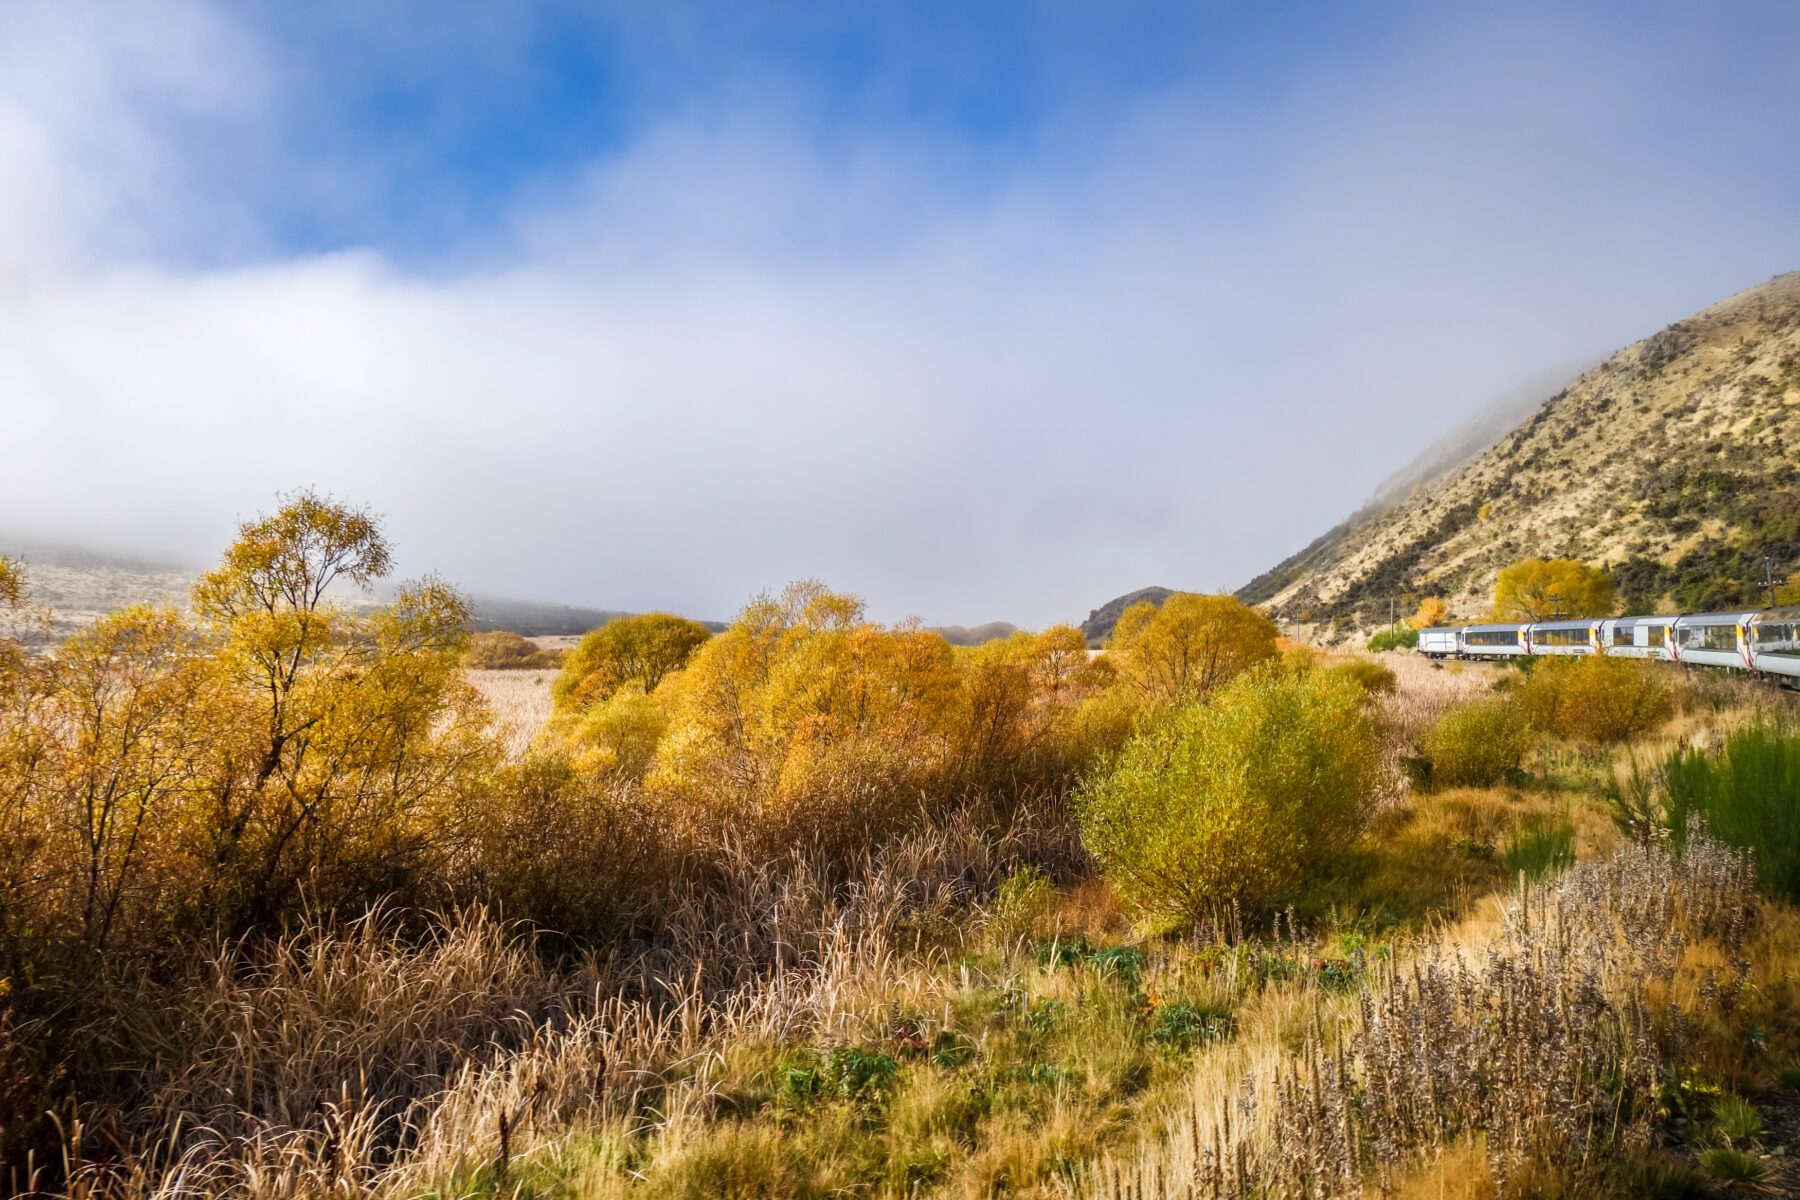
x,y
520,702
1544,1043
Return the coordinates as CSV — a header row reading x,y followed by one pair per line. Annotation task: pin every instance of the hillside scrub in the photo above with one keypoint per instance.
x,y
1234,800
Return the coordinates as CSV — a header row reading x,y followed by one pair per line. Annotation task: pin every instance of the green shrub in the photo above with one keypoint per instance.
x,y
1747,794
1403,638
1237,798
1597,699
1479,744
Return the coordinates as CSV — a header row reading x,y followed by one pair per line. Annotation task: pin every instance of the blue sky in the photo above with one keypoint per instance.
x,y
983,311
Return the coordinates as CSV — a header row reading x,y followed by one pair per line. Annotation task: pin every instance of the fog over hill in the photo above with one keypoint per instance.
x,y
1673,463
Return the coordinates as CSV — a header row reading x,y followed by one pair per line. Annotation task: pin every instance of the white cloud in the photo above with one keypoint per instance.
x,y
731,355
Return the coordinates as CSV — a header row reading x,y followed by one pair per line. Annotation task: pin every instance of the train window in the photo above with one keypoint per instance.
x,y
1659,636
1709,637
1782,640
1622,634
1561,637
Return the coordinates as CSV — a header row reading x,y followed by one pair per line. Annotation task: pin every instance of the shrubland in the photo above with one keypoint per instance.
x,y
821,906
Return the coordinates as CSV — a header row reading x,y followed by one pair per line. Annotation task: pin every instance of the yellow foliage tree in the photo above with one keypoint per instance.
x,y
1432,611
1789,592
344,734
641,650
1190,645
1536,589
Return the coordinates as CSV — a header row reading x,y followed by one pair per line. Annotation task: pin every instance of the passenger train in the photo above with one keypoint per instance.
x,y
1767,642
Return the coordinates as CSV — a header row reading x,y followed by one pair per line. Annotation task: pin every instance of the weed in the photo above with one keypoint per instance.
x,y
1731,1165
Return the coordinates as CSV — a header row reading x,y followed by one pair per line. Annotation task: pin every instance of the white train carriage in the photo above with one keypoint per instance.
x,y
1440,642
1494,641
1636,637
1565,638
1713,639
1774,642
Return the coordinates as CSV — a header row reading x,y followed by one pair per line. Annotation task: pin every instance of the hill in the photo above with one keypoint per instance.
x,y
77,586
975,635
1672,464
1099,624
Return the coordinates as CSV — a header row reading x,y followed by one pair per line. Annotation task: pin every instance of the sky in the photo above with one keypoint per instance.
x,y
981,311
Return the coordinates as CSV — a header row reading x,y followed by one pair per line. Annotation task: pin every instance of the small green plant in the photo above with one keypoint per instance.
x,y
1123,963
843,1073
950,1050
1022,904
1746,794
1178,1027
1736,1119
1728,1164
1539,848
1790,1077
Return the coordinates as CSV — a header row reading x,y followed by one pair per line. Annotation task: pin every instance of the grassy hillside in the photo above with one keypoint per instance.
x,y
1672,464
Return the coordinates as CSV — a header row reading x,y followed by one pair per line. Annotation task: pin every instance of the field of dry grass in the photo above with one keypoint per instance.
x,y
519,700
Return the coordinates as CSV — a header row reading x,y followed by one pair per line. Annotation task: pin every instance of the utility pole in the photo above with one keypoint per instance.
x,y
1555,607
1769,578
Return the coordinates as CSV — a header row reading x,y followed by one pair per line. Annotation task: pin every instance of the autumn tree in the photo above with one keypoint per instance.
x,y
1432,611
12,583
124,754
351,729
1190,645
641,650
1537,590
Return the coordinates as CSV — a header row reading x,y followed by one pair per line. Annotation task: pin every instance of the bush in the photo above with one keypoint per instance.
x,y
1479,744
1746,793
1234,799
504,651
1597,699
1403,638
1372,677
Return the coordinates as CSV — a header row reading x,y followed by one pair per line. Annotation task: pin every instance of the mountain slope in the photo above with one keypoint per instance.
x,y
1099,624
1673,463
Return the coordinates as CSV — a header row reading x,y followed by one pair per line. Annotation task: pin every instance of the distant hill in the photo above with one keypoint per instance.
x,y
78,586
1675,464
1099,624
965,635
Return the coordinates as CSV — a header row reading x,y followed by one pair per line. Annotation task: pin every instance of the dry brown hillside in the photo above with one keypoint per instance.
x,y
1673,464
